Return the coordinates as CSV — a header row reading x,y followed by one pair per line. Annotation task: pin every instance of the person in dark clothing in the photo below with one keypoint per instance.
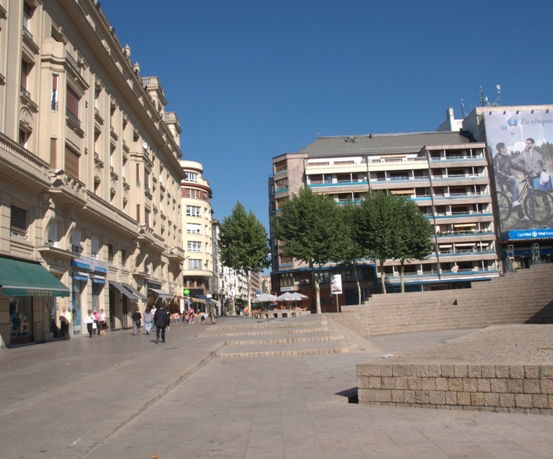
x,y
161,321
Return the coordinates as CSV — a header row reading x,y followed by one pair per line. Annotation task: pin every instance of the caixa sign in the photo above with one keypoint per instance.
x,y
536,233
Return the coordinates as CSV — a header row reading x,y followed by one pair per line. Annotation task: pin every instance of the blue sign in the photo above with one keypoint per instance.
x,y
532,233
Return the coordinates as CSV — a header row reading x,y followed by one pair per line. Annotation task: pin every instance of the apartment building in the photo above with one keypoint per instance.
x,y
90,176
197,223
445,173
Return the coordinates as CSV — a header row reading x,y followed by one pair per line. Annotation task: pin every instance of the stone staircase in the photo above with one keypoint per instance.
x,y
294,336
522,297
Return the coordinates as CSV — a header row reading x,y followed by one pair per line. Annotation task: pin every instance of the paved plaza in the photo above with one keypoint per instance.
x,y
126,397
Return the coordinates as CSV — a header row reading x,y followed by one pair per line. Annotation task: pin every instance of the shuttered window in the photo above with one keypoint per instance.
x,y
72,102
72,162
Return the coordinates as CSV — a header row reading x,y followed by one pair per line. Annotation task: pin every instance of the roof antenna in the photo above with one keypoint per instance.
x,y
498,95
462,108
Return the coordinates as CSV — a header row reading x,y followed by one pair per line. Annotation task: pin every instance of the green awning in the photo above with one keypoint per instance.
x,y
23,278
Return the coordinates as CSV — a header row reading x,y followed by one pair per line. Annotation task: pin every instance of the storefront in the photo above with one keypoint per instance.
x,y
27,297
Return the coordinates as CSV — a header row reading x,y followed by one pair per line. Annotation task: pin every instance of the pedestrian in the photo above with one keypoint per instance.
x,y
65,321
89,321
136,317
96,315
103,323
148,320
161,321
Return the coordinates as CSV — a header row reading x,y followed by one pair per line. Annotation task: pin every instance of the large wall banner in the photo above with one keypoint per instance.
x,y
521,145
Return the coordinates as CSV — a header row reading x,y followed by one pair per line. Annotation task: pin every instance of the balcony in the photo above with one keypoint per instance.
x,y
26,99
53,248
74,123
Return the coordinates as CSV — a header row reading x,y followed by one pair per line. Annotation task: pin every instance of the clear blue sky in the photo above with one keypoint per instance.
x,y
252,79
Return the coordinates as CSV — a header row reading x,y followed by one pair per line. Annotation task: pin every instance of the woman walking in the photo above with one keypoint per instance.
x,y
148,320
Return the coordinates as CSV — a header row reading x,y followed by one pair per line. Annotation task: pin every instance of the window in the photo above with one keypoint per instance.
x,y
72,103
194,246
111,253
72,162
24,136
193,228
53,233
18,219
94,247
193,211
76,242
123,257
191,177
27,15
194,264
54,96
25,72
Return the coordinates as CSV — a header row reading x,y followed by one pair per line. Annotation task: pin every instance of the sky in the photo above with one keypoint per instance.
x,y
253,79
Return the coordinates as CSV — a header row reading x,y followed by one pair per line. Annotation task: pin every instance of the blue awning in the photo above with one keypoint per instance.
x,y
80,277
80,264
98,280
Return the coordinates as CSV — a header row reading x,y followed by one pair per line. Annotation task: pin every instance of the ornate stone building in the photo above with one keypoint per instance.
x,y
89,176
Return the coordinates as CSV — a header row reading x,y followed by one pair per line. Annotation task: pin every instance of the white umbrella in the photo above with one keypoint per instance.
x,y
286,296
264,298
298,296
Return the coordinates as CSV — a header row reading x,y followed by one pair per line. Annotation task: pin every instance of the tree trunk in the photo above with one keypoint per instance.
x,y
382,277
248,293
359,299
315,282
401,268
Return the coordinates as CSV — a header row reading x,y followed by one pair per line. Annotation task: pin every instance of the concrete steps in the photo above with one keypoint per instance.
x,y
524,296
295,336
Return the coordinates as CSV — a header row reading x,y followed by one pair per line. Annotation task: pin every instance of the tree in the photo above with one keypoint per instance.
x,y
243,243
413,236
351,252
310,228
375,226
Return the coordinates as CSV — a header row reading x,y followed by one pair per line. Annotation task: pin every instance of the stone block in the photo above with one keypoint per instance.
x,y
383,395
414,383
401,383
375,382
461,371
463,398
451,398
428,383
502,371
410,370
477,399
436,397
546,386
398,396
387,370
531,386
488,371
388,382
422,397
491,399
514,386
397,370
523,400
550,401
470,385
429,371
532,371
366,396
498,385
507,400
447,371
368,369
540,401
474,371
516,371
409,396
441,384
546,371
484,385
455,384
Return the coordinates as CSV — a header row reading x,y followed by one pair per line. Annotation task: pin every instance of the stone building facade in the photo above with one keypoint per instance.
x,y
90,173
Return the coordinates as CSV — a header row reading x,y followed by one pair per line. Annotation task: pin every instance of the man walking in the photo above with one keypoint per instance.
x,y
161,321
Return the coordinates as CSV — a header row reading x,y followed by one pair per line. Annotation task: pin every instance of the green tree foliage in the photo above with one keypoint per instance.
x,y
243,243
391,227
413,235
352,252
310,228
